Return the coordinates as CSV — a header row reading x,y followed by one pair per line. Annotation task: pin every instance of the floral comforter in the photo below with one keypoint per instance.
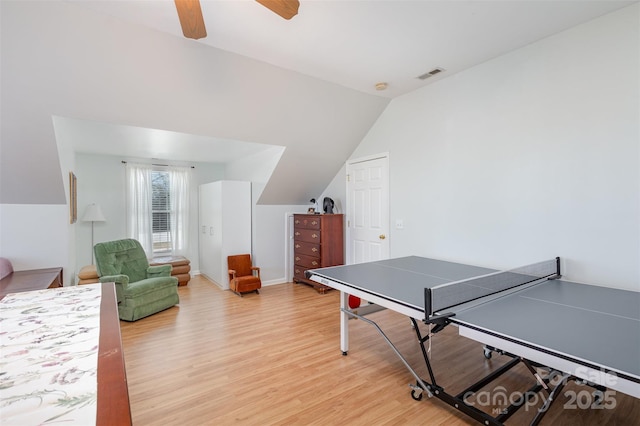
x,y
49,356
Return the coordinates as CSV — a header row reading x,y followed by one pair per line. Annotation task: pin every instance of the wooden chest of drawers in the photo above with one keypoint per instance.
x,y
318,243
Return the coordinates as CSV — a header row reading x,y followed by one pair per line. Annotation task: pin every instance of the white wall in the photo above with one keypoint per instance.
x,y
22,227
101,180
67,161
256,167
337,191
268,225
269,235
36,236
61,58
532,155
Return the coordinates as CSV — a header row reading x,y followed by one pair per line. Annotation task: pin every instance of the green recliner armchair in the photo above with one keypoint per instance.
x,y
141,290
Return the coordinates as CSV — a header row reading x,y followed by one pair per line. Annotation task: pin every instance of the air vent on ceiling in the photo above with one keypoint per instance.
x,y
430,73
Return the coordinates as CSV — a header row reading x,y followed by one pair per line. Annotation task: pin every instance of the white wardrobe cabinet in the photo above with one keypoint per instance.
x,y
224,226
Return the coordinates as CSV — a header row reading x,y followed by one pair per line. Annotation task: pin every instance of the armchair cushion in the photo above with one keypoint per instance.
x,y
141,290
245,283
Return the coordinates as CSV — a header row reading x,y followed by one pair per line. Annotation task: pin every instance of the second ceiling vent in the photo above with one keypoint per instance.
x,y
431,73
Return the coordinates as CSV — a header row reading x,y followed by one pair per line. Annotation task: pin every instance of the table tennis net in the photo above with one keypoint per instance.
x,y
451,294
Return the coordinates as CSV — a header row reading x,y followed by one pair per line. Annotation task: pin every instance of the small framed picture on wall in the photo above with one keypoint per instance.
x,y
73,198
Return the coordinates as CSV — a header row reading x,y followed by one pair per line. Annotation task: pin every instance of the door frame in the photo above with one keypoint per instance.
x,y
289,250
348,212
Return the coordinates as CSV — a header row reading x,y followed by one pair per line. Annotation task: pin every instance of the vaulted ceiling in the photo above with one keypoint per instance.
x,y
306,84
358,43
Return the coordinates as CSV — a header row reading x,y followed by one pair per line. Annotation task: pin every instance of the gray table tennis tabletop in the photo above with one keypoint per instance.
x,y
594,326
400,280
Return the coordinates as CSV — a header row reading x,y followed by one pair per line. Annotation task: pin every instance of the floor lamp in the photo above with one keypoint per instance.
x,y
93,214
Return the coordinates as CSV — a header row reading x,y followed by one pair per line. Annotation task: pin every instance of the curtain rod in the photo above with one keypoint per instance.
x,y
163,165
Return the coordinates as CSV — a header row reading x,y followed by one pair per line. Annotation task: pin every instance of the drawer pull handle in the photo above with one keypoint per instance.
x,y
297,234
314,263
314,236
297,245
314,249
314,222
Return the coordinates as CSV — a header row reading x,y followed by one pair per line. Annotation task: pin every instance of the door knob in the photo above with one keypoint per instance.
x,y
382,236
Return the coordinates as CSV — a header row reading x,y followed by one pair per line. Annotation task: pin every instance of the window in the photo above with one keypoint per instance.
x,y
161,211
158,208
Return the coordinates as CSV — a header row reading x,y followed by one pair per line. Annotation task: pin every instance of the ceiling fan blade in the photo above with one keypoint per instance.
x,y
285,8
191,19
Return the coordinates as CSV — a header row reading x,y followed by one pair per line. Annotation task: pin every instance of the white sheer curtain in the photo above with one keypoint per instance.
x,y
179,188
139,212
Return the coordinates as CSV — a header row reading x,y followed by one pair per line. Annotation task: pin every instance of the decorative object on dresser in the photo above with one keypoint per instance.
x,y
318,243
243,276
328,205
313,207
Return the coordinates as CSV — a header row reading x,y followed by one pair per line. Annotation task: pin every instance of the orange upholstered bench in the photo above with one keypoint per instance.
x,y
88,275
180,268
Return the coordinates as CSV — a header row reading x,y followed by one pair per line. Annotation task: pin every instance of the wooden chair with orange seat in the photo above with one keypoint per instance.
x,y
243,276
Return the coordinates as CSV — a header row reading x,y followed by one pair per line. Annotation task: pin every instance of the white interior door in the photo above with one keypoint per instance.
x,y
368,209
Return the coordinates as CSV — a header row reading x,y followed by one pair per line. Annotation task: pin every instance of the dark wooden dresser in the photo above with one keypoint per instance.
x,y
318,243
33,279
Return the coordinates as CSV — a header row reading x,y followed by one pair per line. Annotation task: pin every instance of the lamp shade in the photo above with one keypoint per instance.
x,y
93,213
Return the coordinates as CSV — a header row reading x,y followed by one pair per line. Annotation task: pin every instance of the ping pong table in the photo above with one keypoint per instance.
x,y
560,330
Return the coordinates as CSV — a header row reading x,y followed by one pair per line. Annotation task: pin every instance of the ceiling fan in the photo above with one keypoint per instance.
x,y
192,22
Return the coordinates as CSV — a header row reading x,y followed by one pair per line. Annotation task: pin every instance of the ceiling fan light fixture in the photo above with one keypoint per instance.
x,y
381,86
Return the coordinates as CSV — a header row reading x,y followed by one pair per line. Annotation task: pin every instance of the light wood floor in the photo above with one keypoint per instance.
x,y
274,359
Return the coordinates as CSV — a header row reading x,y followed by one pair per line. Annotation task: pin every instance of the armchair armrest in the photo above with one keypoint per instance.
x,y
118,279
159,271
257,269
232,273
122,281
